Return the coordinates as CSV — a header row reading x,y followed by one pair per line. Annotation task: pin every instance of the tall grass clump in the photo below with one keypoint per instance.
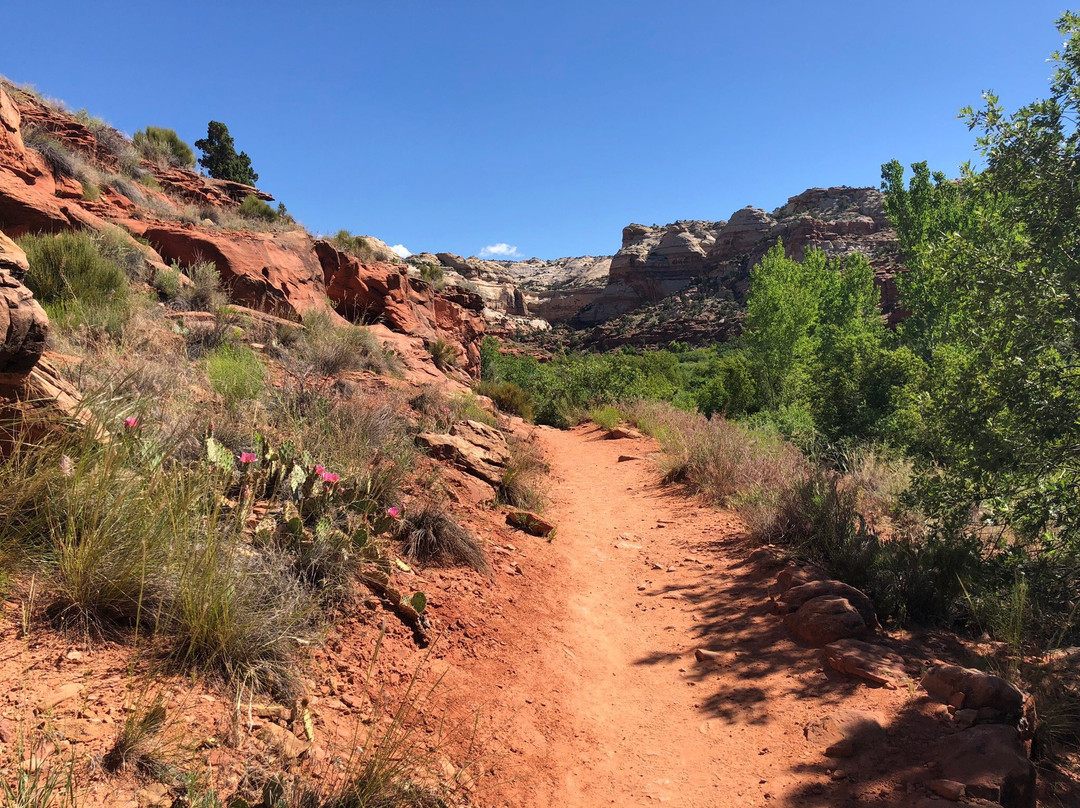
x,y
443,354
236,373
523,478
431,535
722,460
76,283
202,293
254,208
327,348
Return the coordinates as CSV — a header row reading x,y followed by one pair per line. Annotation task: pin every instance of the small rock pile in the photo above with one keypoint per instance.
x,y
987,723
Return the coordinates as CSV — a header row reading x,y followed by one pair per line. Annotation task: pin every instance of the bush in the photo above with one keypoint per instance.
x,y
164,147
508,397
254,208
432,536
76,284
64,161
354,245
203,293
236,373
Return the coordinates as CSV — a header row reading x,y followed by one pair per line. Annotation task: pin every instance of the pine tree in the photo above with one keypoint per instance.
x,y
220,158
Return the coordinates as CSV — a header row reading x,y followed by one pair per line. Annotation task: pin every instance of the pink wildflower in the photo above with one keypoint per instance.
x,y
247,457
393,512
320,470
131,422
330,477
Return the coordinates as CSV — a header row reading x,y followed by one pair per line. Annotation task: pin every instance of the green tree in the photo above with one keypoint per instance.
x,y
220,158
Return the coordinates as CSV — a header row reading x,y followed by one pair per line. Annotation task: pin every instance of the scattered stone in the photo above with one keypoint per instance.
x,y
155,795
288,745
60,695
623,432
628,458
866,661
794,575
966,718
992,764
476,448
824,620
275,711
530,523
715,657
949,789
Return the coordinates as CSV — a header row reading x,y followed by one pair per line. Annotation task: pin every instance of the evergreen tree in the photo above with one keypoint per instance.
x,y
220,158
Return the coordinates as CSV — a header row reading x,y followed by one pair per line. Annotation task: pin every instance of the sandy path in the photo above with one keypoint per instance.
x,y
612,707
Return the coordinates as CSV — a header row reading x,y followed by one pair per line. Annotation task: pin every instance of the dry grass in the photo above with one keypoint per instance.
x,y
721,460
431,535
523,480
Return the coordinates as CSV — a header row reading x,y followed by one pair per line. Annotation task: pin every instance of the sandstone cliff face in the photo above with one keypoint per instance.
x,y
655,262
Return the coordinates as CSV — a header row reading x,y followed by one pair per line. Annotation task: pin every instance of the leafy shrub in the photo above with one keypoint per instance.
x,y
431,535
254,208
354,245
164,147
432,273
236,373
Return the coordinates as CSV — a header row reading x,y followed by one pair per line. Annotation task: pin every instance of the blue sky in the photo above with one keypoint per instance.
x,y
543,127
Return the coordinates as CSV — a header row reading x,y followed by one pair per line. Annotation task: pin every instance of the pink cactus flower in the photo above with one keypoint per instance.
x,y
247,457
320,470
330,477
393,512
131,422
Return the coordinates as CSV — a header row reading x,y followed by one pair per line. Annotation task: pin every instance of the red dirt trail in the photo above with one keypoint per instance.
x,y
596,696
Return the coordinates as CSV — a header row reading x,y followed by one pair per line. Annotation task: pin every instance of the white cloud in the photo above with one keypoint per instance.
x,y
400,250
500,250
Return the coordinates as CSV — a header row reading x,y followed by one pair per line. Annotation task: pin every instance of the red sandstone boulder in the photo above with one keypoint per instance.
x,y
23,323
824,620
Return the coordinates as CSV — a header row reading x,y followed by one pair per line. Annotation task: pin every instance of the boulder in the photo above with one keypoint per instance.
x,y
794,575
826,619
863,660
967,688
476,448
796,596
992,764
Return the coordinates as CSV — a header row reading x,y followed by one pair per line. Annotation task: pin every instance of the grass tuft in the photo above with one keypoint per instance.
x,y
432,536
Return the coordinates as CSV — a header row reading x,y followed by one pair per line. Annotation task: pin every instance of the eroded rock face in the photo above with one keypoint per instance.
x,y
278,273
657,261
23,323
385,292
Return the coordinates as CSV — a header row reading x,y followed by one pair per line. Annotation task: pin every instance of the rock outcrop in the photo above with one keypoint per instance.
x,y
655,262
